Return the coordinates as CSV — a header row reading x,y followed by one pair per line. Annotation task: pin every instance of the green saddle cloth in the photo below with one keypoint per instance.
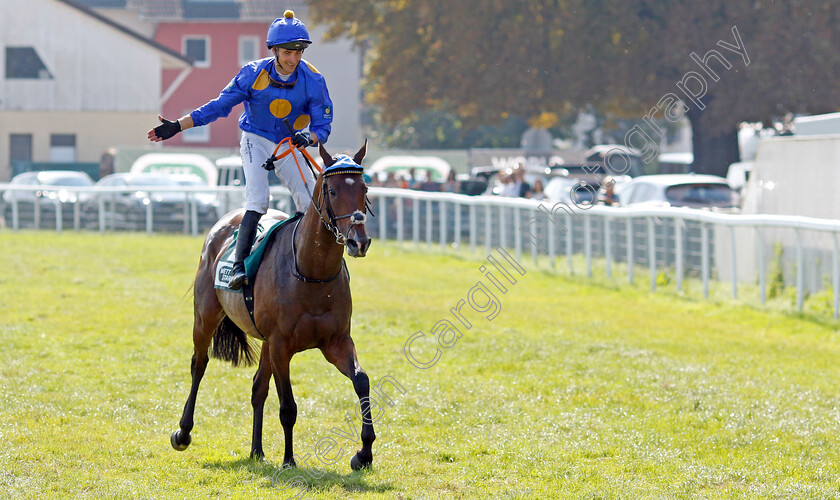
x,y
224,269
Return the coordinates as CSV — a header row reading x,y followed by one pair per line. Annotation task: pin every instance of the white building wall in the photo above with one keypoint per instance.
x,y
340,63
95,67
95,131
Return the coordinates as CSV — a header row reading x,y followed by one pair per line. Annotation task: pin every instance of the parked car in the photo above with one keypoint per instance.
x,y
679,190
424,168
126,209
231,173
50,189
570,190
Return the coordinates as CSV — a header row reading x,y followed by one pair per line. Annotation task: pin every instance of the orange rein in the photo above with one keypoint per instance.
x,y
290,151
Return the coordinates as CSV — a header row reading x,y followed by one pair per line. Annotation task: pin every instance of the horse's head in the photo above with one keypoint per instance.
x,y
342,200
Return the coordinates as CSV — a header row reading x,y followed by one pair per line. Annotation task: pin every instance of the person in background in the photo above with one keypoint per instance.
x,y
506,180
276,91
391,181
451,185
537,192
515,185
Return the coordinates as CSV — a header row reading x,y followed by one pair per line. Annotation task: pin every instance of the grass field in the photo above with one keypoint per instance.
x,y
574,389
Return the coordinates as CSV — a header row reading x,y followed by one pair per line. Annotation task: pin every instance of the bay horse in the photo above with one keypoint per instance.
x,y
301,301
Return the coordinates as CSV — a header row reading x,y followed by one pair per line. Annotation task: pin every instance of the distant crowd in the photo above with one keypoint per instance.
x,y
512,183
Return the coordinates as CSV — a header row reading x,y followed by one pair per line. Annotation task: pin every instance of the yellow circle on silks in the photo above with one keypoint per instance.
x,y
262,81
280,108
301,122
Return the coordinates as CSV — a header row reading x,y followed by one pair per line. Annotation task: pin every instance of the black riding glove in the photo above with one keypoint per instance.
x,y
301,139
167,129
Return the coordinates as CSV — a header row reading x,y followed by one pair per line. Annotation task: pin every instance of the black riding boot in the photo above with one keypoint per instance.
x,y
247,232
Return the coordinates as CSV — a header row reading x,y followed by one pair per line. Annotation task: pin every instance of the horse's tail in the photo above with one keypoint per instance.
x,y
231,344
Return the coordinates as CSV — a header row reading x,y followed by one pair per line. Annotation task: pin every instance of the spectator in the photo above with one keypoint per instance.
x,y
537,192
391,181
451,185
519,188
412,179
508,187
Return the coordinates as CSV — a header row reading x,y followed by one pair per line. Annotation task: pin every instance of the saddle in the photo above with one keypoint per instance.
x,y
266,229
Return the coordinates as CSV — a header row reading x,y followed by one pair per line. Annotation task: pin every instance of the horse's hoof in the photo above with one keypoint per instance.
x,y
357,464
257,455
290,463
180,440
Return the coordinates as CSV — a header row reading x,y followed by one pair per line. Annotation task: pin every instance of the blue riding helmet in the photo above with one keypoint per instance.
x,y
288,32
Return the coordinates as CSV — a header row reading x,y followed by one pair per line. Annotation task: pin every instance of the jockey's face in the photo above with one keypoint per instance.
x,y
287,60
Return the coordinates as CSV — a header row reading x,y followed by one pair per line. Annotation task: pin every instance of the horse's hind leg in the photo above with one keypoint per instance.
x,y
342,353
259,392
202,336
280,357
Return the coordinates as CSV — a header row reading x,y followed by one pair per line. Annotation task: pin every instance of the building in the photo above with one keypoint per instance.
x,y
132,59
74,83
220,36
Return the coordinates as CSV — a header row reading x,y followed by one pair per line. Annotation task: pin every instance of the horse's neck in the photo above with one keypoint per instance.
x,y
317,252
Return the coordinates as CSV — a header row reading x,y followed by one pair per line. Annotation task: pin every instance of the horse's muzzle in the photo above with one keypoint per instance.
x,y
357,241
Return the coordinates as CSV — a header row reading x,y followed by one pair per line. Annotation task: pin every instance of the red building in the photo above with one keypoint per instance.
x,y
218,51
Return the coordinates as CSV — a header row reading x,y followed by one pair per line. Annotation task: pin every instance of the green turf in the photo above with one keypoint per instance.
x,y
576,389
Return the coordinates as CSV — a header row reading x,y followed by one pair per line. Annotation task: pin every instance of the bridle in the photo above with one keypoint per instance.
x,y
358,217
342,164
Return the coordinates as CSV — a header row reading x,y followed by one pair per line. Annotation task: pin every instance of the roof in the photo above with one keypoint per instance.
x,y
173,56
251,10
671,179
681,158
396,163
603,149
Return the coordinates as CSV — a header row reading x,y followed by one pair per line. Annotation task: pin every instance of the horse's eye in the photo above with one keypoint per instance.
x,y
332,192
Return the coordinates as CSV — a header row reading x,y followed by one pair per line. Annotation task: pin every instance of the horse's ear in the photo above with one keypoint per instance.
x,y
361,154
328,160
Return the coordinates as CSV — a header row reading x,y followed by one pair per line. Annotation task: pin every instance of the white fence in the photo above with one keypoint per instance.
x,y
708,245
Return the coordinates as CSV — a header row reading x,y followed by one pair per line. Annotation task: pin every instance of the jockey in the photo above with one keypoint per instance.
x,y
273,90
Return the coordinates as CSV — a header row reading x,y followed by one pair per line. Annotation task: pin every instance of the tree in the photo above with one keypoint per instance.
x,y
485,61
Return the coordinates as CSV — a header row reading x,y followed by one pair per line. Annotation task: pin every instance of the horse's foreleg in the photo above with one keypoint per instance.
x,y
280,358
259,392
180,439
342,354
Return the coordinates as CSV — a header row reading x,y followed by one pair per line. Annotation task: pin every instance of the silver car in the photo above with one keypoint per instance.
x,y
123,205
679,190
44,192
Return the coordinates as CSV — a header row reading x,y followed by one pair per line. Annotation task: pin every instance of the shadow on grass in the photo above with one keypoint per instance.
x,y
299,480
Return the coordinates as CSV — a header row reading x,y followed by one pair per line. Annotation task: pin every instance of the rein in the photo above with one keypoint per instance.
x,y
297,274
357,217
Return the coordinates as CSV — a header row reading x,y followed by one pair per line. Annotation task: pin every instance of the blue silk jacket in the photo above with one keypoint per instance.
x,y
303,99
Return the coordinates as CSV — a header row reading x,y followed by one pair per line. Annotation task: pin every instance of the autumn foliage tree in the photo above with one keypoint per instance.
x,y
485,61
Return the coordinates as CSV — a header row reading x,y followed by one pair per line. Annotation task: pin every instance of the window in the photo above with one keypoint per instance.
x,y
195,134
24,63
63,148
211,9
20,147
197,48
248,49
104,3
